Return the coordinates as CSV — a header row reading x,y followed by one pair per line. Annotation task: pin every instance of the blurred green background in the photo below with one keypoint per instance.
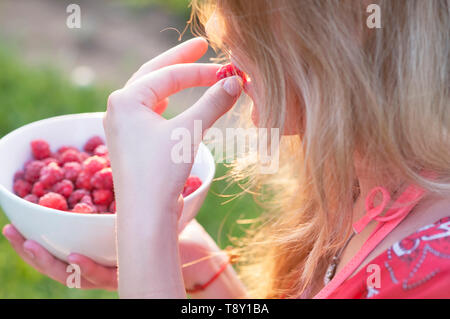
x,y
37,81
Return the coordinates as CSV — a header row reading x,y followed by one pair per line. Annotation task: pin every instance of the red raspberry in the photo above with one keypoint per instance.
x,y
84,156
70,156
65,188
101,208
32,198
87,199
76,196
83,208
64,148
230,70
51,174
33,170
192,184
39,189
101,150
19,175
22,188
103,179
49,160
71,170
92,143
108,163
102,197
112,207
93,164
53,200
84,180
40,149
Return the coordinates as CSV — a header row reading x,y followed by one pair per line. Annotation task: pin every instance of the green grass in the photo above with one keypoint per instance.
x,y
29,94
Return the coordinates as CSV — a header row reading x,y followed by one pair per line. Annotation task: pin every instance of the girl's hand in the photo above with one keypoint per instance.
x,y
195,245
148,180
143,145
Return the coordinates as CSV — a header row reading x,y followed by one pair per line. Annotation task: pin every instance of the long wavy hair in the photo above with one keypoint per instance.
x,y
378,95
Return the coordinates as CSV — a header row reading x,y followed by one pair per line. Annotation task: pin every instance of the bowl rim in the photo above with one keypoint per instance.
x,y
10,194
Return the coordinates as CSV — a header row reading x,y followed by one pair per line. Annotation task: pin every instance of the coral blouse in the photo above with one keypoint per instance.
x,y
416,267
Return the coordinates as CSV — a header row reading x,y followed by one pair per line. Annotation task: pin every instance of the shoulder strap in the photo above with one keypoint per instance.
x,y
404,204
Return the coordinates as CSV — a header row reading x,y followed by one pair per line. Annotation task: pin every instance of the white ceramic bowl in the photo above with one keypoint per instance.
x,y
62,233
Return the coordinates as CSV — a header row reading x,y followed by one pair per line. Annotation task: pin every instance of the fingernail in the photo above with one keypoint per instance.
x,y
7,232
72,258
233,85
29,253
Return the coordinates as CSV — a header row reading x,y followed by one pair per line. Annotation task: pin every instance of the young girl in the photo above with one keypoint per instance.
x,y
360,205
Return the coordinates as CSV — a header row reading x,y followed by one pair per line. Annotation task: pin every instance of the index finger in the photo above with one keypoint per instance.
x,y
186,52
156,86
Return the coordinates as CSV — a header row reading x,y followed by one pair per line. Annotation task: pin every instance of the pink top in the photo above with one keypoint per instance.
x,y
418,266
401,208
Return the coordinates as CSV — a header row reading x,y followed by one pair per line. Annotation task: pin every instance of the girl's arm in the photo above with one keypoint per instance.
x,y
203,263
196,247
226,286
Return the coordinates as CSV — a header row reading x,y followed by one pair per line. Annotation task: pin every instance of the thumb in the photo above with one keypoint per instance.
x,y
217,100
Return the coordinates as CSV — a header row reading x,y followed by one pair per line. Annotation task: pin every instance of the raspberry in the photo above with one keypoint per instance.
x,y
33,170
19,175
101,150
53,200
92,143
102,197
76,196
108,163
65,188
71,170
93,164
39,189
49,160
51,174
192,184
32,198
84,156
40,149
70,156
83,208
22,188
103,179
230,70
87,199
112,207
84,180
101,208
62,149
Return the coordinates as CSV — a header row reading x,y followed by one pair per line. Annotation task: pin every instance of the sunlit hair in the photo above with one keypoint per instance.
x,y
377,95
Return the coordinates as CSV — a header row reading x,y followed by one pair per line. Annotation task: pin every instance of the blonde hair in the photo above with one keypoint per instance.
x,y
382,94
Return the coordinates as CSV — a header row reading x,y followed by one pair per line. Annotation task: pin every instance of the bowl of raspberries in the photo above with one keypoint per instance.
x,y
56,185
